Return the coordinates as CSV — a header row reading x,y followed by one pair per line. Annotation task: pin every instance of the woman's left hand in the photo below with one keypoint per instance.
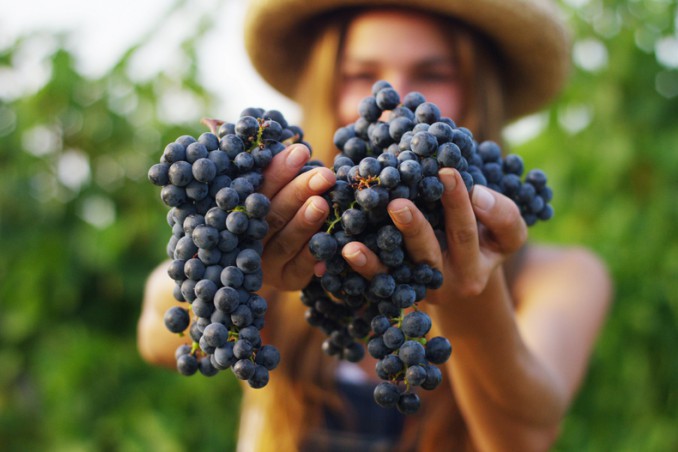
x,y
481,230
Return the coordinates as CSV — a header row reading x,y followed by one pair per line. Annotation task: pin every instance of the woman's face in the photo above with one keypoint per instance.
x,y
408,50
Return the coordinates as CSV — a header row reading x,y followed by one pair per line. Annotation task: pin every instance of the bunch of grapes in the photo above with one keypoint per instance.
x,y
380,161
218,222
217,216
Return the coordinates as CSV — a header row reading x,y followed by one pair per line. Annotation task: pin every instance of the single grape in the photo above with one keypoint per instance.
x,y
386,394
438,350
408,403
323,246
187,364
416,324
259,377
243,369
176,319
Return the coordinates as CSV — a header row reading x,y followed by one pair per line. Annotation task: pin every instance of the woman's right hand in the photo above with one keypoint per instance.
x,y
297,212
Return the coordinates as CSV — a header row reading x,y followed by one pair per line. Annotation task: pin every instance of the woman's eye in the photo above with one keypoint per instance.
x,y
359,77
445,76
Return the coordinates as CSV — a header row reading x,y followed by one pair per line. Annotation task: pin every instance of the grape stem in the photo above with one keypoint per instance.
x,y
212,124
194,347
365,182
337,219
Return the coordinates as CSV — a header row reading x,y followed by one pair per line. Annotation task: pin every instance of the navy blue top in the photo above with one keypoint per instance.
x,y
363,426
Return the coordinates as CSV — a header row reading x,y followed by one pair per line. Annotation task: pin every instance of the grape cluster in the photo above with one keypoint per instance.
x,y
380,161
218,222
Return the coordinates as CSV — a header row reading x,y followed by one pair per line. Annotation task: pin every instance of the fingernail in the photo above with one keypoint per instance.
x,y
403,215
447,177
482,198
318,182
357,258
297,157
313,213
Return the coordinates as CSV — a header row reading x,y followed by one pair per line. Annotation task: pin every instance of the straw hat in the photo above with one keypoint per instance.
x,y
530,35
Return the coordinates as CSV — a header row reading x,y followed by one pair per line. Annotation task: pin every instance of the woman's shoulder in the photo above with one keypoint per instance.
x,y
538,255
541,257
159,286
547,268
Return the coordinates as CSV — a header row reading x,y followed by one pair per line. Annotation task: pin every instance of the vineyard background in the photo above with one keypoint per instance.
x,y
81,227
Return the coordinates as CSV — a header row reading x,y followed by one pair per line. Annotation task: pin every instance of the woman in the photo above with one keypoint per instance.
x,y
522,319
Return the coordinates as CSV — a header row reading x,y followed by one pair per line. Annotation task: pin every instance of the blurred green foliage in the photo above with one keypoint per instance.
x,y
81,228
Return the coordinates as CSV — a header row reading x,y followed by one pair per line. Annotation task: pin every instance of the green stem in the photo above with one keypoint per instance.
x,y
194,347
337,219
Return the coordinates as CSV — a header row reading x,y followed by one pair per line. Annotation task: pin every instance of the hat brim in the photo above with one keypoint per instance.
x,y
530,35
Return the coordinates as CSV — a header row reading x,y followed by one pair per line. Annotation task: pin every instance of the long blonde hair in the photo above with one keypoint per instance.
x,y
292,403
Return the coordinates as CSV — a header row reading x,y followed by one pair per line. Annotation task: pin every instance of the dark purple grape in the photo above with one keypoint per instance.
x,y
369,166
259,378
248,260
409,403
368,109
382,285
442,131
376,348
393,337
415,375
237,222
353,221
323,246
424,144
187,364
174,152
232,276
257,205
268,356
416,324
412,353
427,112
367,198
399,126
196,151
413,99
403,296
438,350
392,365
176,319
386,394
204,170
243,369
180,173
387,98
158,174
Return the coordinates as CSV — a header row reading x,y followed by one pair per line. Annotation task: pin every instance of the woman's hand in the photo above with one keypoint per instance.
x,y
481,230
297,212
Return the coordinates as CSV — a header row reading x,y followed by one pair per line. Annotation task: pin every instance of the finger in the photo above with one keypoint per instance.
x,y
362,259
301,268
461,228
505,230
319,268
418,235
283,168
288,248
289,199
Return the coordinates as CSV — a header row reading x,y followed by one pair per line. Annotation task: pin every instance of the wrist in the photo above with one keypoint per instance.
x,y
475,316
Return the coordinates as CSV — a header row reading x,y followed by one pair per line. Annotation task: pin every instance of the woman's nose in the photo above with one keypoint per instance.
x,y
400,82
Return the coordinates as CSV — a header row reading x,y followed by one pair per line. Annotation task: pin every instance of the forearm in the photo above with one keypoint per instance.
x,y
155,342
506,394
